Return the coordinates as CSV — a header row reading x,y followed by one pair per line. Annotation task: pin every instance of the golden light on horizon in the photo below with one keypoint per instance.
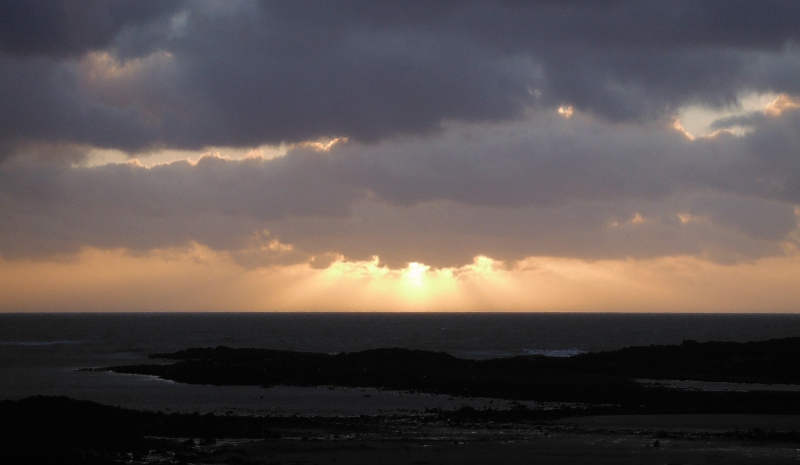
x,y
200,279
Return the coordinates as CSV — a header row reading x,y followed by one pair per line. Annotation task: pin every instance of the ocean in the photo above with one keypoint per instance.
x,y
42,353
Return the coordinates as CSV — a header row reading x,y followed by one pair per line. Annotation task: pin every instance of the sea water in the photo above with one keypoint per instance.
x,y
42,353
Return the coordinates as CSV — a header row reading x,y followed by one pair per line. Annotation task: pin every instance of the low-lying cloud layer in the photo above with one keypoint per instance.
x,y
546,186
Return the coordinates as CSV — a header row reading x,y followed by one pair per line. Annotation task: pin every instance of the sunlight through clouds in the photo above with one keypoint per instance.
x,y
199,279
780,104
696,120
475,156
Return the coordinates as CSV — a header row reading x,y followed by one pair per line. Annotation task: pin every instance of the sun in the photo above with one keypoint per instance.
x,y
415,274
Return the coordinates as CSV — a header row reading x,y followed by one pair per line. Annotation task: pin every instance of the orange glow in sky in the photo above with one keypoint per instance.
x,y
211,156
199,279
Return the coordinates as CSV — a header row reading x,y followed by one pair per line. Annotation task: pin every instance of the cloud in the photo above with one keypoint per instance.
x,y
195,278
216,201
64,28
443,234
450,142
44,103
546,186
139,76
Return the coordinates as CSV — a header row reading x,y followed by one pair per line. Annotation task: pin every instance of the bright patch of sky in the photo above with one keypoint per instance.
x,y
98,157
697,120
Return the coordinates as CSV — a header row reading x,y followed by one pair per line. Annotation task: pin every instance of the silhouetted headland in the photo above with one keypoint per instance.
x,y
592,379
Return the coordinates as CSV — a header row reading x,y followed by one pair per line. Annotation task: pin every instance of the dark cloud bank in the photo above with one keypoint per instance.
x,y
247,73
454,147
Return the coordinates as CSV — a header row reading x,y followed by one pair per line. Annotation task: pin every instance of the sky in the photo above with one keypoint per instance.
x,y
619,155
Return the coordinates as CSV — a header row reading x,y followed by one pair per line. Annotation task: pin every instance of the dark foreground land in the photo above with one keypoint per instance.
x,y
600,383
602,414
65,431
